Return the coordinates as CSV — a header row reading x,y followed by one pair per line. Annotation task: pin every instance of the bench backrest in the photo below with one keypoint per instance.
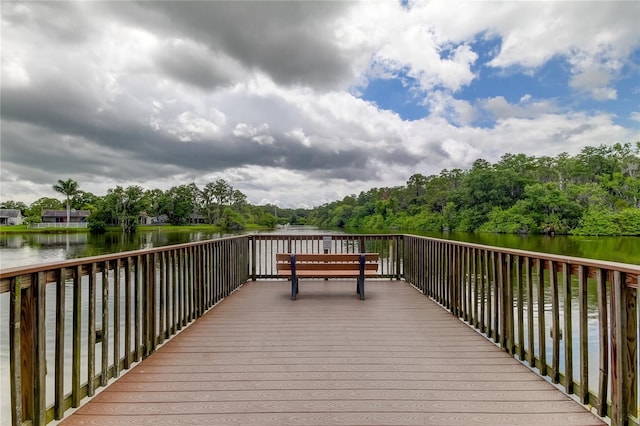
x,y
330,261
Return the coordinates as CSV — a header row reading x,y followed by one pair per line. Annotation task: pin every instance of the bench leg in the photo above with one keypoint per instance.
x,y
361,288
294,288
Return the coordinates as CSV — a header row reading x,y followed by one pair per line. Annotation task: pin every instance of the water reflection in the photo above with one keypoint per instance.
x,y
28,249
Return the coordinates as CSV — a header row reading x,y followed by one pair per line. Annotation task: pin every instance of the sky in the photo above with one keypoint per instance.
x,y
303,103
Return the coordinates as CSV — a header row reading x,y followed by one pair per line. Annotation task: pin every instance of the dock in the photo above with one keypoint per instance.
x,y
258,358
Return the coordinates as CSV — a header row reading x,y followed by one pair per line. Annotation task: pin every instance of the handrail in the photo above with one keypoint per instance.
x,y
118,307
494,289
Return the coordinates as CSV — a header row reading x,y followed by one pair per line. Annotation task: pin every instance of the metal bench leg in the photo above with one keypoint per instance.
x,y
294,288
294,278
361,277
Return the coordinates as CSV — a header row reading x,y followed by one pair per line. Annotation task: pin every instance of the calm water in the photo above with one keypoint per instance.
x,y
615,249
27,249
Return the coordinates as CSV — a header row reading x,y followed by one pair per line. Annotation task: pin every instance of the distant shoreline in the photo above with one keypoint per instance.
x,y
23,229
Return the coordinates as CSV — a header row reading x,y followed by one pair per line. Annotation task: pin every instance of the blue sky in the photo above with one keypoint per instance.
x,y
400,92
302,103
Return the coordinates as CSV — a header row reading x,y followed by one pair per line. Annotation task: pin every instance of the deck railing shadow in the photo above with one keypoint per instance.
x,y
75,325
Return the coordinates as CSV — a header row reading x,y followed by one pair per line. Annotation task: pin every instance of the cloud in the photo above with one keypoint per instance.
x,y
259,134
266,94
529,108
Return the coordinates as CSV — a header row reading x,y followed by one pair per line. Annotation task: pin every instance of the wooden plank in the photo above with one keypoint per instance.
x,y
603,340
127,312
359,418
327,257
153,395
104,370
59,345
520,303
568,330
530,324
583,312
40,352
556,332
116,316
623,350
498,309
91,330
285,268
327,406
325,273
15,358
77,338
542,342
400,359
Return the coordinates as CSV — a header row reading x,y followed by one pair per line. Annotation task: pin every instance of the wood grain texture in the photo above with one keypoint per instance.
x,y
258,358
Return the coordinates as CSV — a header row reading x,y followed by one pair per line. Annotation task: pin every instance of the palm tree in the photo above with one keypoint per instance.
x,y
69,188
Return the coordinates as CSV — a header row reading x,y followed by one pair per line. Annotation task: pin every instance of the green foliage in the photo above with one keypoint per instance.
x,y
14,205
629,221
597,221
98,221
595,192
123,206
231,220
268,220
179,203
69,188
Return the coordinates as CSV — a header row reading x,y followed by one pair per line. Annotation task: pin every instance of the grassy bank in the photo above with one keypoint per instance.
x,y
24,229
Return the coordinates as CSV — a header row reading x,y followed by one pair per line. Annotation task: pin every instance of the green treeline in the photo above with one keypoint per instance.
x,y
596,192
217,203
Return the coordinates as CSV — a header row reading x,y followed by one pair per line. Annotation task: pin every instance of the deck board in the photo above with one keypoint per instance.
x,y
330,358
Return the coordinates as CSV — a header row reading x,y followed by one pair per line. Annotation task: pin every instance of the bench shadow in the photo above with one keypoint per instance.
x,y
317,289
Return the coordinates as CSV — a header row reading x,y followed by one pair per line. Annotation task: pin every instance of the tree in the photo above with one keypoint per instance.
x,y
222,192
69,188
14,205
207,202
125,206
34,213
154,200
180,204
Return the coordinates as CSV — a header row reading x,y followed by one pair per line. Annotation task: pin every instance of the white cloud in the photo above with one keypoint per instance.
x,y
500,108
259,134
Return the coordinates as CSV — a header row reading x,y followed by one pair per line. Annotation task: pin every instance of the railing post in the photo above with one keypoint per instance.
x,y
15,358
399,240
104,375
624,355
59,345
253,257
603,340
28,369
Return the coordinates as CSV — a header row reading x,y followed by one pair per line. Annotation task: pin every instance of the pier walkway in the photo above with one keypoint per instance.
x,y
330,358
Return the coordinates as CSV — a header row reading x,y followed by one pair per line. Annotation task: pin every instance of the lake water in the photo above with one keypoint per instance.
x,y
28,249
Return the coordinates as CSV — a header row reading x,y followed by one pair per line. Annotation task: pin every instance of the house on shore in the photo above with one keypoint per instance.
x,y
11,217
60,216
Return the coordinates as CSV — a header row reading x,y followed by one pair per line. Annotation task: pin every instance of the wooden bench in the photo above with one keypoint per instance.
x,y
303,265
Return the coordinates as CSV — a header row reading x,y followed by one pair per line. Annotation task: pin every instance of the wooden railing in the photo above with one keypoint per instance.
x,y
537,307
76,324
265,246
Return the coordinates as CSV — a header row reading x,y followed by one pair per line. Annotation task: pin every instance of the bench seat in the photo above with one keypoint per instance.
x,y
327,265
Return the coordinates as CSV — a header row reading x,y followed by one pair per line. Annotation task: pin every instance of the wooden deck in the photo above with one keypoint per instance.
x,y
330,358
